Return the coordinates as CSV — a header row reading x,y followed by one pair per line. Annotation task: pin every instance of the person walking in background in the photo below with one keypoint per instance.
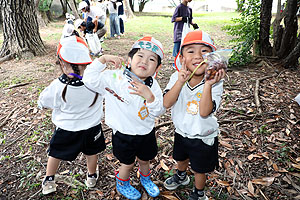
x,y
181,15
113,18
121,14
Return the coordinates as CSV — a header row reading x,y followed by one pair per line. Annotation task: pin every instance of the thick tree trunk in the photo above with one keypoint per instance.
x,y
288,41
20,29
131,4
277,28
292,59
264,32
74,10
128,10
64,6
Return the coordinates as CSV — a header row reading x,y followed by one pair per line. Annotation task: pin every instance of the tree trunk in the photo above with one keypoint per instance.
x,y
40,19
289,37
264,31
131,3
128,10
277,28
292,59
74,10
64,6
20,29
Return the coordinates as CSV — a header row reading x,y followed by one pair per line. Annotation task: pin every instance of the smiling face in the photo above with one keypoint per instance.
x,y
144,63
193,55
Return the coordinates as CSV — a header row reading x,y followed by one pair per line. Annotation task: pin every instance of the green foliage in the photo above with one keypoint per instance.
x,y
45,5
245,31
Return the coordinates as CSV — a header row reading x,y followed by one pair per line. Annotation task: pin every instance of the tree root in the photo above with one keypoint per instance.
x,y
6,58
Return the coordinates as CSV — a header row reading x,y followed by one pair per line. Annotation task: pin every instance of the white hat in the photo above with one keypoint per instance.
x,y
78,22
73,50
68,30
82,5
150,43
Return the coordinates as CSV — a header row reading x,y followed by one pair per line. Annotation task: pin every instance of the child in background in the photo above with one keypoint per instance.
x,y
114,18
181,15
193,99
133,99
77,113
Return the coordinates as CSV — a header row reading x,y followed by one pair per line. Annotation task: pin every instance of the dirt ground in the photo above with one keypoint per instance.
x,y
259,153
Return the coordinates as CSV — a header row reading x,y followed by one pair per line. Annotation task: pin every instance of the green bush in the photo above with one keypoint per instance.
x,y
245,31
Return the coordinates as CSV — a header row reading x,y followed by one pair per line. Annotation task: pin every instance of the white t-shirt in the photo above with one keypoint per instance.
x,y
124,112
75,114
185,112
94,12
111,8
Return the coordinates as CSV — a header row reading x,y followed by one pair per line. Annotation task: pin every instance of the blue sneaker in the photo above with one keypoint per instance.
x,y
124,188
149,186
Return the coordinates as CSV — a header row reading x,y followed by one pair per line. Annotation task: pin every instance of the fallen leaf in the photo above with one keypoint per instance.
x,y
99,193
296,165
275,167
223,183
251,188
170,197
267,181
227,145
164,166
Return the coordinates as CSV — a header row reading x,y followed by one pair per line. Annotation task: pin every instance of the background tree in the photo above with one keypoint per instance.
x,y
127,9
142,4
20,30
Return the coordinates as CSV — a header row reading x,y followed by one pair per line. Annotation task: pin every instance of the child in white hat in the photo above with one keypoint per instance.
x,y
133,99
193,100
76,113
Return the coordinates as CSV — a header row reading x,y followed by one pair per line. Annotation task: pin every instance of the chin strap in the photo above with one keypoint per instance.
x,y
76,75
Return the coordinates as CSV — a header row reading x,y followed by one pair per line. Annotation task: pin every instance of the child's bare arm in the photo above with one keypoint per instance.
x,y
171,96
206,103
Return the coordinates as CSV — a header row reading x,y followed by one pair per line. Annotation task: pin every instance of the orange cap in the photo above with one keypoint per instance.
x,y
194,37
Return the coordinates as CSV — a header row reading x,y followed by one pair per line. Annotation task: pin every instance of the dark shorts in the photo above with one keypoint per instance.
x,y
66,145
203,157
127,147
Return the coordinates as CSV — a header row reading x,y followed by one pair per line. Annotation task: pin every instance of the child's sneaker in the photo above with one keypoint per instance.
x,y
149,186
175,181
48,187
195,196
91,180
124,188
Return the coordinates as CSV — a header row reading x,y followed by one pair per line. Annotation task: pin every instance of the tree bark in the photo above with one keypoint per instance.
x,y
292,59
64,6
277,28
264,31
131,4
20,29
74,10
289,37
127,9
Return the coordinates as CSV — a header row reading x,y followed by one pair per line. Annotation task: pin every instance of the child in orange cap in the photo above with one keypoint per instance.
x,y
133,99
76,113
193,99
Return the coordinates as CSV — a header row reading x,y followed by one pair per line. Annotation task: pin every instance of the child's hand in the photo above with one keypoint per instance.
x,y
183,74
115,60
218,76
142,90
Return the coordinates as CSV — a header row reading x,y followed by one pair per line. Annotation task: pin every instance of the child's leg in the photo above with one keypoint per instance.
x,y
183,165
200,180
91,162
144,166
92,175
125,171
52,166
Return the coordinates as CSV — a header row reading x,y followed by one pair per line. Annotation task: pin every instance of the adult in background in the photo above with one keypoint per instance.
x,y
113,18
182,14
91,12
120,14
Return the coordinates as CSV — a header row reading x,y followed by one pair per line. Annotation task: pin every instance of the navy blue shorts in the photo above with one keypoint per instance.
x,y
127,147
203,157
66,145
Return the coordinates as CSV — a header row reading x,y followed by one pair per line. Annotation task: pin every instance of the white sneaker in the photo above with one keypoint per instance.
x,y
48,187
91,181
